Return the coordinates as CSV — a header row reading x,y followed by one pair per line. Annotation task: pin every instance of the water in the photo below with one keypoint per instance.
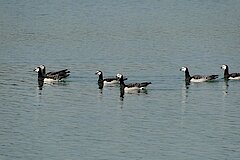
x,y
143,40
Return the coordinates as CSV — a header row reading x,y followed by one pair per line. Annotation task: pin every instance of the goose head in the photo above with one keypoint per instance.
x,y
98,73
183,69
224,67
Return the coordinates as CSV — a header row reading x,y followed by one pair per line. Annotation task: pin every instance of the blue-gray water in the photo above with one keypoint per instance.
x,y
143,40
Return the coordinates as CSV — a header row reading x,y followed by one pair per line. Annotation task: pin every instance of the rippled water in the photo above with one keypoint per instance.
x,y
143,40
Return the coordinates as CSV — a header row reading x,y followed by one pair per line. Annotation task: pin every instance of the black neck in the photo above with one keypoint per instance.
x,y
121,80
100,81
122,86
44,71
40,75
187,75
100,78
226,73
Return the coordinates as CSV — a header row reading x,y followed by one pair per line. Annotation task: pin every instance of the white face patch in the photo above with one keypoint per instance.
x,y
119,75
183,69
37,69
224,66
98,72
42,66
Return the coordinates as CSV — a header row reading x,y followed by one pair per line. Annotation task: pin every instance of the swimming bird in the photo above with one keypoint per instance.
x,y
227,75
51,76
197,78
132,87
106,81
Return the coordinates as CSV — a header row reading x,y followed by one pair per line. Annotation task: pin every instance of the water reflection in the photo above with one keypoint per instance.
x,y
100,85
184,101
138,92
185,93
225,87
41,83
121,102
100,95
187,83
101,91
122,92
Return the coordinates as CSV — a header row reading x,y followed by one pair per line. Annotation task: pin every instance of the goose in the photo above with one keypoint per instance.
x,y
197,78
227,75
132,87
106,81
51,76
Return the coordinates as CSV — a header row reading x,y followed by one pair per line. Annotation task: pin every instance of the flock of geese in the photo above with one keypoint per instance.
x,y
57,76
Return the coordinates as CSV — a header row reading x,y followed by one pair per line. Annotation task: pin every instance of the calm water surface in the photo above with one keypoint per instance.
x,y
143,40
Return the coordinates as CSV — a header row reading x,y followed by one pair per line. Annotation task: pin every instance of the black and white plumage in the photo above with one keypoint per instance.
x,y
51,76
106,81
229,76
197,78
132,87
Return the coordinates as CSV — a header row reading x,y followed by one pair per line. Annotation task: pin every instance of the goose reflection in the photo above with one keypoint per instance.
x,y
225,87
40,84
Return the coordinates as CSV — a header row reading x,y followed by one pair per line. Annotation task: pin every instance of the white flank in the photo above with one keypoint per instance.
x,y
110,83
234,78
49,80
132,90
198,80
